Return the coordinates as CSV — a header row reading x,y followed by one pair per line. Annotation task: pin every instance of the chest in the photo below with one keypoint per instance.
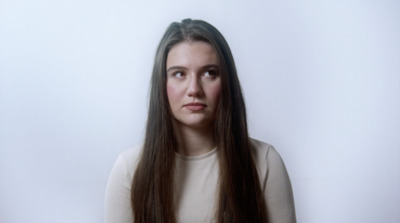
x,y
196,190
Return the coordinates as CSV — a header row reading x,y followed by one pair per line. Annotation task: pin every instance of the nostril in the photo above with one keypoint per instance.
x,y
195,90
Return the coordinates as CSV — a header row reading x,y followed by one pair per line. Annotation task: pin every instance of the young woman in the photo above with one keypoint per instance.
x,y
197,162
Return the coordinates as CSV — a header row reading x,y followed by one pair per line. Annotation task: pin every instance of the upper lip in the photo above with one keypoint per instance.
x,y
194,104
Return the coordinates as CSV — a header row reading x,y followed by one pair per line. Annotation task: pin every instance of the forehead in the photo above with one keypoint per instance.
x,y
192,53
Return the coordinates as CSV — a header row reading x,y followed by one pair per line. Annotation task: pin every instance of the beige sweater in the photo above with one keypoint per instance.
x,y
196,181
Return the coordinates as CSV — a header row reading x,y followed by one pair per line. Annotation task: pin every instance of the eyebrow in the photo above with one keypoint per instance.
x,y
184,68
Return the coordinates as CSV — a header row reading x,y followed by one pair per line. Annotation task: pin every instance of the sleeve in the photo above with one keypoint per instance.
x,y
118,193
278,190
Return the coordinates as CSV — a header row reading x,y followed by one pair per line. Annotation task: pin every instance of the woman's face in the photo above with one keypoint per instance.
x,y
193,83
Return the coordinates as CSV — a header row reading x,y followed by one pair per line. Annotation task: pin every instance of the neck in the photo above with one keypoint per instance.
x,y
193,141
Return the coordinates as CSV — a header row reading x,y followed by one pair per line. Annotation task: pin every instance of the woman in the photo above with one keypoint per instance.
x,y
197,163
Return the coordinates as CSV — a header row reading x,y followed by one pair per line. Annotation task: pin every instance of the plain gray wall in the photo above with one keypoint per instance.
x,y
321,81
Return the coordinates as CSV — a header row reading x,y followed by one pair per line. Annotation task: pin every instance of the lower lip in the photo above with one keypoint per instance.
x,y
195,107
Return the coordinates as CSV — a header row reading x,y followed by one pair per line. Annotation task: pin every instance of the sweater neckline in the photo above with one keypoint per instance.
x,y
198,157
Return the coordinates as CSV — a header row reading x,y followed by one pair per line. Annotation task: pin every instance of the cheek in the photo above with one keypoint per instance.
x,y
172,93
214,92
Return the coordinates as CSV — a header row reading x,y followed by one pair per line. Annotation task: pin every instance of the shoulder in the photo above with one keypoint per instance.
x,y
125,166
275,182
262,151
267,160
118,191
259,145
129,159
131,156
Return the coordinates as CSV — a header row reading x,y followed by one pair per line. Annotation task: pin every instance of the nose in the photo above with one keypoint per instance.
x,y
194,87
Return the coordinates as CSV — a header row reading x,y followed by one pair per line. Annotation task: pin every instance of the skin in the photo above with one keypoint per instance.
x,y
192,77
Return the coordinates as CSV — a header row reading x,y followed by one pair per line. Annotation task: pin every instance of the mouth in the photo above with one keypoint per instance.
x,y
195,106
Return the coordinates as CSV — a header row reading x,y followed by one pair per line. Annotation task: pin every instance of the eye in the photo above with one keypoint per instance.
x,y
211,73
178,74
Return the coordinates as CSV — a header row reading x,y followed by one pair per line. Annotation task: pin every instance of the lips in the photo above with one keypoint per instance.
x,y
195,106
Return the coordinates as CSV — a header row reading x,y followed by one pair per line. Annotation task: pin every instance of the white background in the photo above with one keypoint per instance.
x,y
321,81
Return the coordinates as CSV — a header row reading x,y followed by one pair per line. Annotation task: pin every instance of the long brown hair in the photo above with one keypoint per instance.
x,y
240,198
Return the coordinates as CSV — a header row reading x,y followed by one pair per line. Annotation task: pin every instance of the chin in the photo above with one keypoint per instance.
x,y
196,123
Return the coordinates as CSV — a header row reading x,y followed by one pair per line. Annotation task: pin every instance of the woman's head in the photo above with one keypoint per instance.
x,y
190,31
